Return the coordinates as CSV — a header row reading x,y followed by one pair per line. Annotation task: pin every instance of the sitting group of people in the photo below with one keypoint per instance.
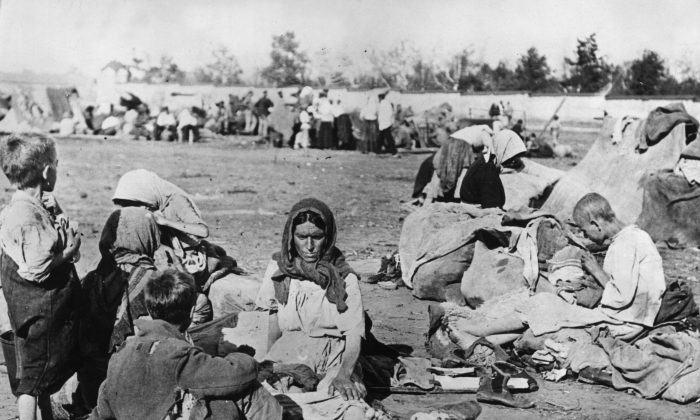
x,y
139,330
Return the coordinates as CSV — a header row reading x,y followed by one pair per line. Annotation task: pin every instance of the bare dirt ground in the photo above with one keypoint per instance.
x,y
244,192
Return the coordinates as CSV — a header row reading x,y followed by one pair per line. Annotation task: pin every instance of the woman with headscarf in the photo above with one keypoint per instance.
x,y
317,297
182,228
479,182
482,183
114,292
441,176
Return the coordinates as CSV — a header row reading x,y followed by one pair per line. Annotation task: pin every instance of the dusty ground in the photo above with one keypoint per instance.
x,y
244,193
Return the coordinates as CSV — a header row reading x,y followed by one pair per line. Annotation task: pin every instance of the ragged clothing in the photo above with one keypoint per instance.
x,y
637,283
309,310
661,121
664,364
145,375
31,236
42,303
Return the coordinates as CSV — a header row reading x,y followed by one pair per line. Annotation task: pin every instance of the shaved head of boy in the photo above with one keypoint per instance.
x,y
594,215
28,160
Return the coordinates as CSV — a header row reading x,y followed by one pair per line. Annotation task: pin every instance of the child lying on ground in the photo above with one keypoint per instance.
x,y
38,247
159,374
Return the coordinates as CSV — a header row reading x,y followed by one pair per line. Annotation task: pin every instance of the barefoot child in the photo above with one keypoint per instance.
x,y
37,250
160,374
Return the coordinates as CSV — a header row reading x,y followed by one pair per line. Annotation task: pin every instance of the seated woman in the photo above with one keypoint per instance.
x,y
182,232
459,177
114,295
320,317
114,291
632,278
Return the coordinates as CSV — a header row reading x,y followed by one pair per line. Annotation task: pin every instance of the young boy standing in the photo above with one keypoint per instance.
x,y
37,250
159,374
632,275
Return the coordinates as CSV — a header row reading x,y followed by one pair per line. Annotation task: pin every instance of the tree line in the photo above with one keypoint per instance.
x,y
403,67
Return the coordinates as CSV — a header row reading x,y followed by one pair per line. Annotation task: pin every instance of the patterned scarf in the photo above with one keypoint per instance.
x,y
329,271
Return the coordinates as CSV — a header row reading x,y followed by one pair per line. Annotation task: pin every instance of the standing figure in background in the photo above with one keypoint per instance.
x,y
555,129
385,122
369,116
247,105
262,110
165,124
508,111
324,112
187,125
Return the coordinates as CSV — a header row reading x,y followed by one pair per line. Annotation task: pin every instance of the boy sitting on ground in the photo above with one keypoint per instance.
x,y
38,248
632,275
159,374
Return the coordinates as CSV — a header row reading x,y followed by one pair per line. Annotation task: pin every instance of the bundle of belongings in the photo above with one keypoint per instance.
x,y
620,161
672,196
527,291
439,241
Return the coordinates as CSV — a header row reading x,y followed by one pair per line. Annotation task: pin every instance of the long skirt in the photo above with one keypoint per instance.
x,y
326,136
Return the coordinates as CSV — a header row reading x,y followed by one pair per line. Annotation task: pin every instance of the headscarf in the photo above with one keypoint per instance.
x,y
475,135
130,236
506,144
329,271
147,187
453,156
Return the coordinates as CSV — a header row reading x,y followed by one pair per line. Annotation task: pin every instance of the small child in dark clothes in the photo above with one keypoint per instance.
x,y
160,374
37,249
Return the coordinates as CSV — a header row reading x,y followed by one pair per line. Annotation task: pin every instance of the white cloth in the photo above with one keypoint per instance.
x,y
186,118
325,110
690,169
131,116
67,127
165,119
147,187
385,115
111,122
636,284
369,112
505,145
309,310
475,135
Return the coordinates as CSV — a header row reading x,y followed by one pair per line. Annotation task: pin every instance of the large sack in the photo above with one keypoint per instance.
x,y
615,172
530,186
493,272
670,209
436,245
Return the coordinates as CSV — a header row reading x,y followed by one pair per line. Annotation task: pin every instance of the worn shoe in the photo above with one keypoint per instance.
x,y
493,390
591,375
511,371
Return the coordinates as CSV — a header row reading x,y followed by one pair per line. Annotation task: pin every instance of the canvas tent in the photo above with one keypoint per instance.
x,y
615,171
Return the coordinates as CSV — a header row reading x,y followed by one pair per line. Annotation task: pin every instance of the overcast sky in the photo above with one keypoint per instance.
x,y
54,35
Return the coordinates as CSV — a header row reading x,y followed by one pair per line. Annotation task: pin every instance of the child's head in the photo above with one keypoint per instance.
x,y
171,296
593,215
29,160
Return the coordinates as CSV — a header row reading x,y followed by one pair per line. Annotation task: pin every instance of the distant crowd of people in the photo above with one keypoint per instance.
x,y
304,119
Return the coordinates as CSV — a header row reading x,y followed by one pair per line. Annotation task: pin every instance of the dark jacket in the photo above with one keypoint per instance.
x,y
145,375
482,184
